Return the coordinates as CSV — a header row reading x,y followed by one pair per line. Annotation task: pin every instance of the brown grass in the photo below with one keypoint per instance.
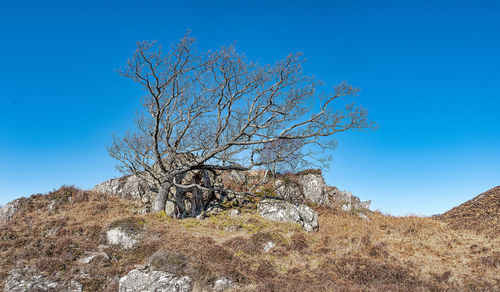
x,y
346,254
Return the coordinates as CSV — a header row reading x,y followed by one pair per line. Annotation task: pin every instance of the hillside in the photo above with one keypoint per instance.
x,y
482,214
62,239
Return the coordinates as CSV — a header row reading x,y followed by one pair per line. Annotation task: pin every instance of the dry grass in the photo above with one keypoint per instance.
x,y
346,254
481,214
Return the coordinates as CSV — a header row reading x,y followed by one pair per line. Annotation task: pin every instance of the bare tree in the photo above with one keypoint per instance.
x,y
284,156
217,111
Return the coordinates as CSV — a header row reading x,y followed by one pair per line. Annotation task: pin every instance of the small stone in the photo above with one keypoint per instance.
x,y
234,213
364,217
90,256
51,206
145,199
268,246
201,216
141,267
223,284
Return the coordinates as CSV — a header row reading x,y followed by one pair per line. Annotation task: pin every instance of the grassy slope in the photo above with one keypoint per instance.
x,y
347,253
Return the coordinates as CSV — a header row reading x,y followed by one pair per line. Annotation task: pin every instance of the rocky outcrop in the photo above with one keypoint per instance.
x,y
130,187
8,211
302,188
121,237
283,211
27,279
313,186
289,191
153,281
346,201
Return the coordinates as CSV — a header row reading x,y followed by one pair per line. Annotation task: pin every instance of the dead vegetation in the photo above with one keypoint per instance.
x,y
52,232
482,214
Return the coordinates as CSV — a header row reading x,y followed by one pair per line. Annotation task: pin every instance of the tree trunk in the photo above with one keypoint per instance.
x,y
161,198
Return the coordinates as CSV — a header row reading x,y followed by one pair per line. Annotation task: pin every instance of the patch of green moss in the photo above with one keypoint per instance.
x,y
189,223
251,228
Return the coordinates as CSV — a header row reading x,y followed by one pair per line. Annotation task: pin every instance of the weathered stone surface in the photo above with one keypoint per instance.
x,y
153,281
224,283
8,211
90,256
289,191
283,211
170,208
239,177
27,279
130,187
346,201
268,246
313,188
118,236
364,217
234,213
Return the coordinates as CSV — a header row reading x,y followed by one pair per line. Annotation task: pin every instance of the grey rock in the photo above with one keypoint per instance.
x,y
289,191
202,216
364,217
224,283
284,211
268,246
156,281
239,177
234,213
51,206
8,211
90,256
347,202
313,188
102,247
170,208
337,197
27,279
141,267
130,187
118,236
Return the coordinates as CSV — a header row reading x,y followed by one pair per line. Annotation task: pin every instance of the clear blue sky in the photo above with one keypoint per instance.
x,y
429,73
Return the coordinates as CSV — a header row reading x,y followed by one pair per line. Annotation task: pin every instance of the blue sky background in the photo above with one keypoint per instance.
x,y
428,70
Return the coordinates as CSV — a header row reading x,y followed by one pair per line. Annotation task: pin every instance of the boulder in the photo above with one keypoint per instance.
x,y
239,177
27,279
313,186
130,187
8,211
283,211
121,237
289,191
156,281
